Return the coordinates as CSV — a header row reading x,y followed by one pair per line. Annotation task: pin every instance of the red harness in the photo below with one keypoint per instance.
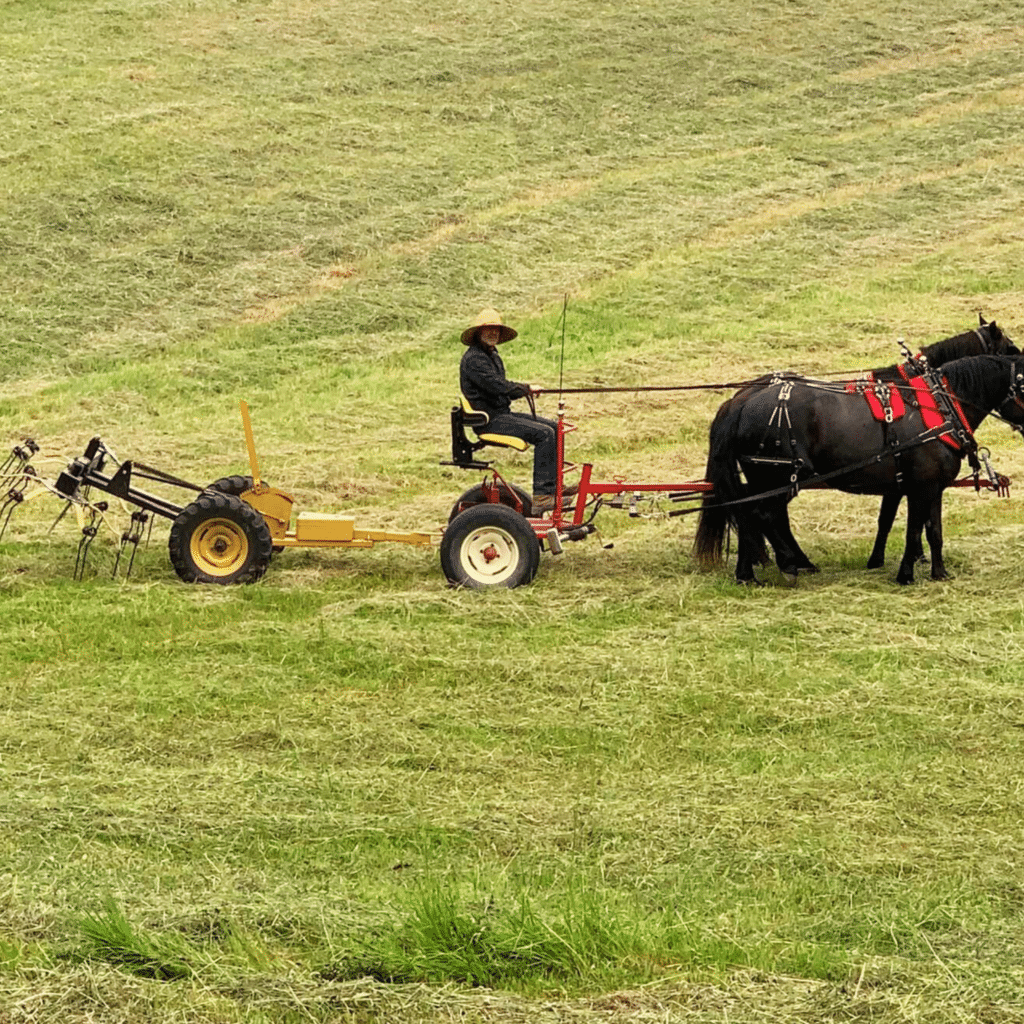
x,y
931,415
885,402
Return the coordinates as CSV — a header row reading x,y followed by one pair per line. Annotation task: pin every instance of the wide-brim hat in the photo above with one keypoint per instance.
x,y
488,318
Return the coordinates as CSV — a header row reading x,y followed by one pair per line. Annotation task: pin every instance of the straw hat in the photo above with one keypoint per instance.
x,y
488,318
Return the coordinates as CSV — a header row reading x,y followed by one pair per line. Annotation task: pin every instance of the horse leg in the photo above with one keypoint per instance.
x,y
798,560
749,544
774,526
918,510
933,531
886,517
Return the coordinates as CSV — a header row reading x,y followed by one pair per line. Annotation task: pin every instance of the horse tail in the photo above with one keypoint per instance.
x,y
724,476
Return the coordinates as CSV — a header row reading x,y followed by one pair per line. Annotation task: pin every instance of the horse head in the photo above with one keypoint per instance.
x,y
995,339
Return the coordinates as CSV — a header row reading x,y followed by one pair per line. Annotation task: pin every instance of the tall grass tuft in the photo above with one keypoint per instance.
x,y
582,943
445,939
111,938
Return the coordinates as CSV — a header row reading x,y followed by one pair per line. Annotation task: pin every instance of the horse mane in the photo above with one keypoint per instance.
x,y
986,340
959,347
976,374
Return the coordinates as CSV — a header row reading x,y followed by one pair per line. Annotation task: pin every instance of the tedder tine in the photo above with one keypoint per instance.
x,y
17,463
139,521
131,536
63,512
14,499
89,532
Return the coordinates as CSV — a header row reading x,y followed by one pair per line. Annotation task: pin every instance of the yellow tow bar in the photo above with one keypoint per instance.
x,y
311,529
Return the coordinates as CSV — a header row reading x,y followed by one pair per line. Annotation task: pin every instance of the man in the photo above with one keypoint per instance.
x,y
482,380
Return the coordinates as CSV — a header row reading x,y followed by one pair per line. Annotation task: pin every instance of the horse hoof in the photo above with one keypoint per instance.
x,y
789,579
752,582
810,568
876,563
904,581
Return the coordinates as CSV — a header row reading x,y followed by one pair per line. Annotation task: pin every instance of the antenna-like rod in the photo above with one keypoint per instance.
x,y
561,360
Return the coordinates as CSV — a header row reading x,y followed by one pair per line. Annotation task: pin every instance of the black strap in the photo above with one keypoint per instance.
x,y
932,434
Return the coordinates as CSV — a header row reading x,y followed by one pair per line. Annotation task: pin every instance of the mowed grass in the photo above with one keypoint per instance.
x,y
630,791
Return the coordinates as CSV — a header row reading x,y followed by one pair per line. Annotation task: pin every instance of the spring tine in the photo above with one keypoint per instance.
x,y
131,561
63,513
14,499
83,552
131,536
144,518
139,521
78,558
8,477
89,532
21,455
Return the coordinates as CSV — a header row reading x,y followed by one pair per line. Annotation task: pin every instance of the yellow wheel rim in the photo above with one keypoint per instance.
x,y
219,547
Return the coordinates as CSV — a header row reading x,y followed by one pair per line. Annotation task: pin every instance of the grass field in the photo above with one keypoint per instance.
x,y
630,792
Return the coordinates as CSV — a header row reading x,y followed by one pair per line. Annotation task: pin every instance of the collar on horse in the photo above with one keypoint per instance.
x,y
939,406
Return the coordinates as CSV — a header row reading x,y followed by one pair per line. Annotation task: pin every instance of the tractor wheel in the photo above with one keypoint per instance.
x,y
475,496
235,485
220,539
489,545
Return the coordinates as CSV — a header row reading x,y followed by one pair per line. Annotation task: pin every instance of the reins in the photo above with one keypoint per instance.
x,y
918,362
848,376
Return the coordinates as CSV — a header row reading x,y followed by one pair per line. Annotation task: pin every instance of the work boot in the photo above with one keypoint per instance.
x,y
546,502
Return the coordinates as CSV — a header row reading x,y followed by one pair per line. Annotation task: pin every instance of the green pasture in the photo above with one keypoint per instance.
x,y
630,792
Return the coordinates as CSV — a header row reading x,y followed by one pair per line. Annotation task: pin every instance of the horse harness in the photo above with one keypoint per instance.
x,y
928,392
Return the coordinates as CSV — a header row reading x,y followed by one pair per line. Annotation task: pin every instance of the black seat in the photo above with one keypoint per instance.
x,y
463,449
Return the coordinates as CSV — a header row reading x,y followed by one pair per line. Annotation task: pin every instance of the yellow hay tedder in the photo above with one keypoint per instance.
x,y
227,534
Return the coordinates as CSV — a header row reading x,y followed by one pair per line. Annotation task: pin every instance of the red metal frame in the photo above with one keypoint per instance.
x,y
571,517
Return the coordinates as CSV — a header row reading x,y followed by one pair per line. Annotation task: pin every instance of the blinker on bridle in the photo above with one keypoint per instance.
x,y
1016,392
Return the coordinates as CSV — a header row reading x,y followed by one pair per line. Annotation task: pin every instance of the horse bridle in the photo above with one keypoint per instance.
x,y
988,343
1016,392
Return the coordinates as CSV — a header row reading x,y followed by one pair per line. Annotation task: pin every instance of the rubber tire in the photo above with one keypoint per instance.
x,y
235,485
475,496
239,525
503,530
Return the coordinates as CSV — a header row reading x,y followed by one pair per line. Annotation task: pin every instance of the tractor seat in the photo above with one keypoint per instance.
x,y
463,450
478,421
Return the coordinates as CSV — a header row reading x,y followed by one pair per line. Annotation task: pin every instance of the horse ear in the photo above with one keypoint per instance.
x,y
981,320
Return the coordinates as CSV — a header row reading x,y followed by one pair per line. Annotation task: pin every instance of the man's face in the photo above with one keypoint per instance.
x,y
489,336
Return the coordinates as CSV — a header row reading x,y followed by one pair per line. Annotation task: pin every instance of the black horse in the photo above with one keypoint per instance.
x,y
987,339
794,430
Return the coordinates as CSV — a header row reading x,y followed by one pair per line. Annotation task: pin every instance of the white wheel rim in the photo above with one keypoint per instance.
x,y
489,555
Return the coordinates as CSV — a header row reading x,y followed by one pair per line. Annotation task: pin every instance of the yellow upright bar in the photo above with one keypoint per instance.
x,y
251,445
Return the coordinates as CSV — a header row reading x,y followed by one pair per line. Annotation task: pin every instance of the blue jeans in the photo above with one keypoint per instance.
x,y
542,434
